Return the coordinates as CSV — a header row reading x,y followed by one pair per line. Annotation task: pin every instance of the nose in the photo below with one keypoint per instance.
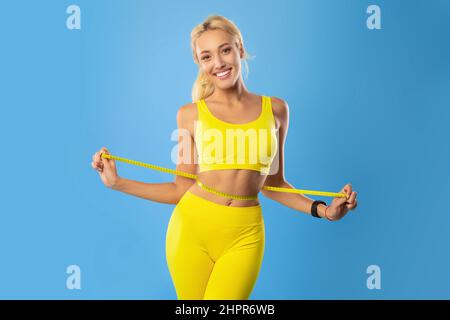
x,y
218,63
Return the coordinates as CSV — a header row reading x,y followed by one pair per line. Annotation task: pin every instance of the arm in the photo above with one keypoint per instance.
x,y
169,192
295,201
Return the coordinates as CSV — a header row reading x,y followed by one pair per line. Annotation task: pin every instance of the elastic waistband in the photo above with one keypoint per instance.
x,y
207,214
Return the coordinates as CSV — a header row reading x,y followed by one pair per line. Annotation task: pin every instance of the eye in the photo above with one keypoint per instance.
x,y
227,49
205,57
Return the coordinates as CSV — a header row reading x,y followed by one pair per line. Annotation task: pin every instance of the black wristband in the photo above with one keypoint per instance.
x,y
314,208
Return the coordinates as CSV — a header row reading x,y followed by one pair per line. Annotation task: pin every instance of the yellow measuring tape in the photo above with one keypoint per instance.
x,y
194,177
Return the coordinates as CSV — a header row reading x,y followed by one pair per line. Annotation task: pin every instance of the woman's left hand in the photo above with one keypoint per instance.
x,y
340,206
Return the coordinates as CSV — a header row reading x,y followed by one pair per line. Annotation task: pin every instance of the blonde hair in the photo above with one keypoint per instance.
x,y
202,88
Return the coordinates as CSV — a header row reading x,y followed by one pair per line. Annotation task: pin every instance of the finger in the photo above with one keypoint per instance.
x,y
339,200
352,205
352,197
110,162
105,151
97,162
98,158
107,163
97,168
346,189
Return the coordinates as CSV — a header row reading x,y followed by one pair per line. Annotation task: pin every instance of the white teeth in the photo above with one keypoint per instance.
x,y
223,73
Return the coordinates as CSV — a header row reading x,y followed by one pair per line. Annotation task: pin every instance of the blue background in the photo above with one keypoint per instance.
x,y
369,107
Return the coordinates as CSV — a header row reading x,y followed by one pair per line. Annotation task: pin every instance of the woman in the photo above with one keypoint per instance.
x,y
215,237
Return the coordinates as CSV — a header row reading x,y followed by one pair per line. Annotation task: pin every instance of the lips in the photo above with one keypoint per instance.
x,y
223,74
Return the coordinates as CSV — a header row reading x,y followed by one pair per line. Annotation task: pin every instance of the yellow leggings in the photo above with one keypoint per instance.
x,y
214,251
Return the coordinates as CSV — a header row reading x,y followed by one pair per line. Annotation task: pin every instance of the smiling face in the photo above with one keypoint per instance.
x,y
219,58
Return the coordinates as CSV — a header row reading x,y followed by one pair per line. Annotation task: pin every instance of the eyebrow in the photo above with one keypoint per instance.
x,y
219,47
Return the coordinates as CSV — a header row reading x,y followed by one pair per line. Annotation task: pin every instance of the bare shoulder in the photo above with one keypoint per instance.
x,y
186,116
279,106
280,109
187,113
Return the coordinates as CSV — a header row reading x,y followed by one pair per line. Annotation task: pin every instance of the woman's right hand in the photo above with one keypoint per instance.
x,y
106,168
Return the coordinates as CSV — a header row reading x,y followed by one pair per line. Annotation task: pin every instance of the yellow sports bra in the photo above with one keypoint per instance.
x,y
223,145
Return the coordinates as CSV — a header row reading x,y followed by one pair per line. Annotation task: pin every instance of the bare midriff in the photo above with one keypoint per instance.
x,y
239,182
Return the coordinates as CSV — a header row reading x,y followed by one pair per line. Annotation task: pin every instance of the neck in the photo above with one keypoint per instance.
x,y
232,95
